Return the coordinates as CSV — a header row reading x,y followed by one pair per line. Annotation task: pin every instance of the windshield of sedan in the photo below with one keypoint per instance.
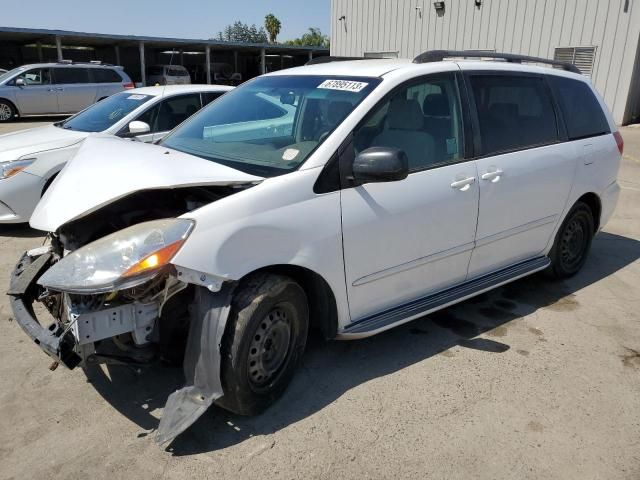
x,y
102,115
10,73
269,126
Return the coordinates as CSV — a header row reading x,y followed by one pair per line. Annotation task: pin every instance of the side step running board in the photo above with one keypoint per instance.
x,y
389,318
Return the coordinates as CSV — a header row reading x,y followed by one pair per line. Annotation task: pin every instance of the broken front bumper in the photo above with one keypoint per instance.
x,y
54,340
202,357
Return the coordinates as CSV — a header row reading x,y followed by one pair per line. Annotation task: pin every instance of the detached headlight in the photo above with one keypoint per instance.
x,y
121,260
9,169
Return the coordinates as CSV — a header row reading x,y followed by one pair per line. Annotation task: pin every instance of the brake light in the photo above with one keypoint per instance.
x,y
129,85
619,141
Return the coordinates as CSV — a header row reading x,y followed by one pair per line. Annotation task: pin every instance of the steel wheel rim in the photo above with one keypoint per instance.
x,y
5,111
269,347
573,243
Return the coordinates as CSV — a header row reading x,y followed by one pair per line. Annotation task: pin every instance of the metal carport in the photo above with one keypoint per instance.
x,y
19,46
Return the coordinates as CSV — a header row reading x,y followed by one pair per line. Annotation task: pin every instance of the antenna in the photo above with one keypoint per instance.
x,y
164,87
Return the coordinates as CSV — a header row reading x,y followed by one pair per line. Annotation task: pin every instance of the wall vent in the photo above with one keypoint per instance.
x,y
582,57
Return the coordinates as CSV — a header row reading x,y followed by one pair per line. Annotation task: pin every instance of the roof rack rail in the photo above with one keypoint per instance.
x,y
328,59
439,55
91,62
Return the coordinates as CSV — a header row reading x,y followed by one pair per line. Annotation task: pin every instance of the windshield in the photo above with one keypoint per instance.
x,y
102,115
269,126
10,74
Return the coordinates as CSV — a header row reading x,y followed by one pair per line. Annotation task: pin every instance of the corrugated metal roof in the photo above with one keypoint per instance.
x,y
93,39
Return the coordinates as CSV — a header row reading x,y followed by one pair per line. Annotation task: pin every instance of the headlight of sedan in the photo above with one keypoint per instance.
x,y
121,260
9,169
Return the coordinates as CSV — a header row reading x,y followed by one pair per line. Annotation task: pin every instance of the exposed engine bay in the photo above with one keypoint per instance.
x,y
138,207
140,324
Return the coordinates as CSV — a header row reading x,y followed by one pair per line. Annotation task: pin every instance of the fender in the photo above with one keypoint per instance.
x,y
279,222
201,364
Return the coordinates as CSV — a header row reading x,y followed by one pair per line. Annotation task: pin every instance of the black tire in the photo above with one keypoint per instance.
x,y
573,242
7,111
263,342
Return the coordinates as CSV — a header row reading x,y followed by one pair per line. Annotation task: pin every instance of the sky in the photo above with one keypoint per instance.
x,y
165,18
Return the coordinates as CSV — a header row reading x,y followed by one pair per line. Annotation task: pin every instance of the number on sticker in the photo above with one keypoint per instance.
x,y
345,85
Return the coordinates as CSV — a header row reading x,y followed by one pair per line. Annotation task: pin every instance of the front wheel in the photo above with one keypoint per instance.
x,y
263,342
573,242
7,112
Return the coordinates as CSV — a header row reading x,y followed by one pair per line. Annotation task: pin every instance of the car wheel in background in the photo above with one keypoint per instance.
x,y
573,242
7,111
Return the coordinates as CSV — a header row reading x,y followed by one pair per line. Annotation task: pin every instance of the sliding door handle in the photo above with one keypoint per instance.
x,y
463,184
493,175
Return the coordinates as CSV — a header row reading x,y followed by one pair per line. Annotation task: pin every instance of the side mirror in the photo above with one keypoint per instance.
x,y
380,164
20,82
138,128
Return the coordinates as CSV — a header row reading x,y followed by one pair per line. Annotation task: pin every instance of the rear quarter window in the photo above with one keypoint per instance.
x,y
581,110
105,76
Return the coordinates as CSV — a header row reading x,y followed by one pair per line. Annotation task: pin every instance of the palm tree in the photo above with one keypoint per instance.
x,y
272,25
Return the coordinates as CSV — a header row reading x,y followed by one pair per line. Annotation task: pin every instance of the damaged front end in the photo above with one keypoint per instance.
x,y
119,300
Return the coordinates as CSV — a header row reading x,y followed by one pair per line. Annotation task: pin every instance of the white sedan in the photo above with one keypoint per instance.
x,y
30,159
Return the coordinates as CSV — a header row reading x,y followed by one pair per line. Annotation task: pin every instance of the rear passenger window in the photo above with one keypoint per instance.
x,y
423,119
580,108
514,112
70,75
174,111
208,97
105,76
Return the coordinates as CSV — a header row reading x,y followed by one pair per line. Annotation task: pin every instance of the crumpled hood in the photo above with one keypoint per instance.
x,y
109,168
27,142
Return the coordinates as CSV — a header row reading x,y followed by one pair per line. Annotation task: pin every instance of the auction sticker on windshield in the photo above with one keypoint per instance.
x,y
345,85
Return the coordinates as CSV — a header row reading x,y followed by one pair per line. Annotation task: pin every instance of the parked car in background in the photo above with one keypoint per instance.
x,y
2,70
167,75
394,188
30,159
57,88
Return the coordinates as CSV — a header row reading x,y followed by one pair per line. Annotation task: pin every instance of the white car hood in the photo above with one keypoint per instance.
x,y
108,168
28,142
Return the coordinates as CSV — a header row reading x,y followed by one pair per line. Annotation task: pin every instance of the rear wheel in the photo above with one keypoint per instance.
x,y
7,111
263,343
573,242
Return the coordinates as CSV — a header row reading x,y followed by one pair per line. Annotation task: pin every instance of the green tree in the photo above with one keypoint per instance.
x,y
313,38
272,25
243,33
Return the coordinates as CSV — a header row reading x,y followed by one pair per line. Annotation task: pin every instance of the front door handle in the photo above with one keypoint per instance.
x,y
493,175
464,184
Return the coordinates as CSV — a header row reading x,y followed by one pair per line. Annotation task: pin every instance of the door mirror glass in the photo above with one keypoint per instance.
x,y
20,82
138,128
380,164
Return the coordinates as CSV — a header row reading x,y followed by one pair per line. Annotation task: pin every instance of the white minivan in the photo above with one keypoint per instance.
x,y
394,189
167,75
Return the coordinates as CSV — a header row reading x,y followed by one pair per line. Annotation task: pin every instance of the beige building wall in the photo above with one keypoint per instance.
x,y
531,27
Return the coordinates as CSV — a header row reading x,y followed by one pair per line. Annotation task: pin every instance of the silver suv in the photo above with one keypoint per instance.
x,y
57,88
